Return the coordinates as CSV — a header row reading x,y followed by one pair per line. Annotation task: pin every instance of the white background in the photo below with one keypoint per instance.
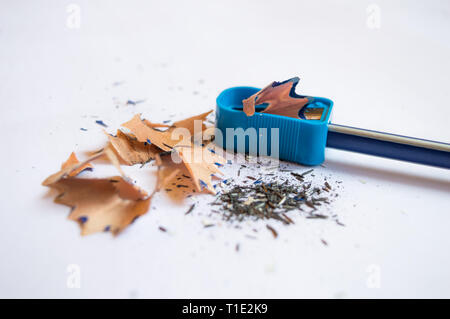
x,y
56,77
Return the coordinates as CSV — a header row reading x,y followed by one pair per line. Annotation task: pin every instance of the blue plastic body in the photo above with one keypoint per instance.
x,y
301,141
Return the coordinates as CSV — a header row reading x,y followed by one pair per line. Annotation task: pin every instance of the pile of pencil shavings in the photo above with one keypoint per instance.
x,y
111,204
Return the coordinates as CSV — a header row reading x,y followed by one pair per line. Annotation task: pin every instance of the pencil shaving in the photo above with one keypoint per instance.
x,y
73,160
108,204
280,97
130,150
111,204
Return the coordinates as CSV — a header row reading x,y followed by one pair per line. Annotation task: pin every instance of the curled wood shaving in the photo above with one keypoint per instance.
x,y
174,179
280,97
149,135
69,170
73,160
108,204
165,179
164,176
111,204
72,168
130,150
146,132
202,164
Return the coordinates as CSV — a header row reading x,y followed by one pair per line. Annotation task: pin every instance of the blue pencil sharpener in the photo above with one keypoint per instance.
x,y
301,140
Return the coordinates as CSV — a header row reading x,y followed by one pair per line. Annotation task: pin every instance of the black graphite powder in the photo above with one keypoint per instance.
x,y
275,198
